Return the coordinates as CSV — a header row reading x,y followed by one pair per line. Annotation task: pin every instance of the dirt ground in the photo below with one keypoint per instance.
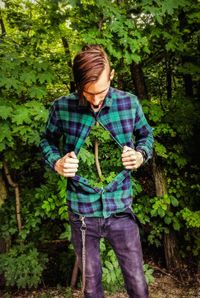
x,y
164,286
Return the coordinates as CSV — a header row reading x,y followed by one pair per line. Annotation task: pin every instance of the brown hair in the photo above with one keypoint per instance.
x,y
88,66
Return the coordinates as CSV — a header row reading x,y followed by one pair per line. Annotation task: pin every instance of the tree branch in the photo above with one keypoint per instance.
x,y
17,195
74,274
96,153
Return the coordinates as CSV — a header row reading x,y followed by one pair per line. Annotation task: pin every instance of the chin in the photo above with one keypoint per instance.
x,y
98,105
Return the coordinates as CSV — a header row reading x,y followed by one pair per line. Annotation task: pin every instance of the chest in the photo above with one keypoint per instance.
x,y
118,122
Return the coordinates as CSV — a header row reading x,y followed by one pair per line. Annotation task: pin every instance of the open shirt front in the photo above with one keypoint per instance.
x,y
122,116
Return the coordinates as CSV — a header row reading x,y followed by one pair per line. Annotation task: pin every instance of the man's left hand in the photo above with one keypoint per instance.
x,y
131,158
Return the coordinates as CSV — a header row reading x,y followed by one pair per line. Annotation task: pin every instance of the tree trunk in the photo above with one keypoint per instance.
x,y
3,190
170,243
188,83
120,75
168,79
74,274
3,29
187,78
138,81
69,63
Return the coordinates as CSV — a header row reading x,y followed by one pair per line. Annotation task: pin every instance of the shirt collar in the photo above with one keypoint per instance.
x,y
108,98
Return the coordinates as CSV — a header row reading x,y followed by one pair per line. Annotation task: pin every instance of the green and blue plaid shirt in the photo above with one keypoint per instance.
x,y
122,115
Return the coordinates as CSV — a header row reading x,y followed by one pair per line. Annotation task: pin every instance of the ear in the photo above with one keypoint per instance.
x,y
112,74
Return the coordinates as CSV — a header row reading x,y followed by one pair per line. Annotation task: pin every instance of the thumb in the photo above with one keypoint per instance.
x,y
126,148
72,154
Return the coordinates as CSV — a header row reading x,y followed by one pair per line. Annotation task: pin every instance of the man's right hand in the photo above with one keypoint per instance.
x,y
67,166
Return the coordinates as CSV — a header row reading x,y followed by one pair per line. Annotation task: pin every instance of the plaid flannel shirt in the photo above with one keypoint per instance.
x,y
122,115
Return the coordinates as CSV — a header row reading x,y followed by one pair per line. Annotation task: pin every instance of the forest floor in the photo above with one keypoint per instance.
x,y
164,286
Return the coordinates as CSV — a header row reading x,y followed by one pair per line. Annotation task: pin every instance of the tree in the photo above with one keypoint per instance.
x,y
153,48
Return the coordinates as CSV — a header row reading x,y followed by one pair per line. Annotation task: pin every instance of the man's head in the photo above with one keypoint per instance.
x,y
92,75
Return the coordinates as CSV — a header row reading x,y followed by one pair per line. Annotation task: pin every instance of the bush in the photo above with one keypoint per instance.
x,y
22,266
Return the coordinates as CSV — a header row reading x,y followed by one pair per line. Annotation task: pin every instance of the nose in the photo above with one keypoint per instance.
x,y
96,99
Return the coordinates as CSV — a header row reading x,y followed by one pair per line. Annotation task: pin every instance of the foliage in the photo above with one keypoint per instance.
x,y
38,40
110,164
192,218
45,202
22,266
177,209
112,275
148,272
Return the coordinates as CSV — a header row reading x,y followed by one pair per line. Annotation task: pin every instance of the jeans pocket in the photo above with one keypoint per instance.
x,y
128,213
121,215
136,219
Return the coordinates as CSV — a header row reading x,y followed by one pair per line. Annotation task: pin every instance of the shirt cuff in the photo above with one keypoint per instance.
x,y
53,161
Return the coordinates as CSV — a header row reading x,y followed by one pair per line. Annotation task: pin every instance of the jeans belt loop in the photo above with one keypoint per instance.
x,y
83,234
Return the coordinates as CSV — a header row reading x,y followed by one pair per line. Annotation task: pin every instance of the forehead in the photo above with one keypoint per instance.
x,y
101,84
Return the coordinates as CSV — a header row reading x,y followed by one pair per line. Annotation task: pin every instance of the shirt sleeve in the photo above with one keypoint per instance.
x,y
143,133
50,140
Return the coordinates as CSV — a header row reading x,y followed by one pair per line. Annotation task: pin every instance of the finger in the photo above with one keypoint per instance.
x,y
128,153
129,163
71,168
70,160
69,171
66,155
70,164
131,167
69,175
129,158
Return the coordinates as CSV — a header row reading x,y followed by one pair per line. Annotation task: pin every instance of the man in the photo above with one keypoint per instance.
x,y
100,212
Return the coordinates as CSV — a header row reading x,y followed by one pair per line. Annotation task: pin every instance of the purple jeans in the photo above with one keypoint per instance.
x,y
122,232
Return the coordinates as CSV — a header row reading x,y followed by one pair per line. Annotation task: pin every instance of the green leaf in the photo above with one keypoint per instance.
x,y
167,220
109,265
6,137
21,115
86,156
176,226
62,210
37,92
192,218
174,201
161,212
160,149
5,112
29,77
45,77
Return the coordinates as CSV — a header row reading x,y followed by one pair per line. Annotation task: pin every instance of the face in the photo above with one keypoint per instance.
x,y
95,93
